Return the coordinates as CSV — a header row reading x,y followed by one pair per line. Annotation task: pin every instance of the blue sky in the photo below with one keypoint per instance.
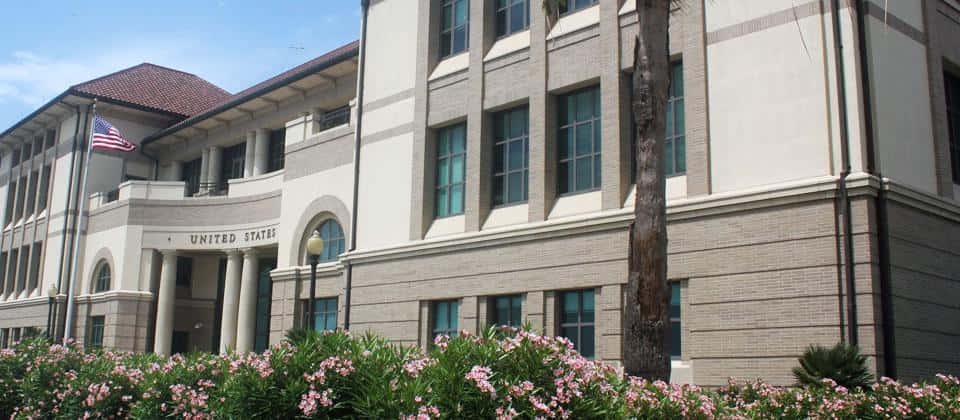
x,y
48,45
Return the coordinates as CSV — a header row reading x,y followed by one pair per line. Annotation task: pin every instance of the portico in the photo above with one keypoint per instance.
x,y
225,312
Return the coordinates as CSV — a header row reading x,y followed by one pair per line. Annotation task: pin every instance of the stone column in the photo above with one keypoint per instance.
x,y
204,167
247,317
261,151
176,171
231,302
213,168
248,170
166,298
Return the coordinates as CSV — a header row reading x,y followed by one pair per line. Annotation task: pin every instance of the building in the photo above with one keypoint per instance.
x,y
490,182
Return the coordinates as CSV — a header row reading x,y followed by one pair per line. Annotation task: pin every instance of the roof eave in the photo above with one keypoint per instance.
x,y
347,55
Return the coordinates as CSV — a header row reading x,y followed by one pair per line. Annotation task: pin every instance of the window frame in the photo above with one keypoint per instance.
x,y
452,309
450,156
596,145
102,278
276,150
676,290
321,303
95,339
675,101
184,276
43,190
951,83
330,238
495,312
506,141
507,9
452,29
565,10
579,324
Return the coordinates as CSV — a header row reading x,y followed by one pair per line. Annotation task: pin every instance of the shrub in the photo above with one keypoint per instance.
x,y
500,374
843,364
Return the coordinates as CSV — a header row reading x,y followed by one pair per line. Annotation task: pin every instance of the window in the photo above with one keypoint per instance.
x,y
22,268
276,150
184,271
35,266
953,122
451,162
511,156
454,27
27,152
102,278
333,240
191,176
577,320
326,314
51,138
32,194
579,141
95,335
233,161
512,16
44,189
12,271
16,335
5,338
506,310
333,118
674,147
676,337
571,6
3,272
15,157
37,145
21,193
445,315
11,200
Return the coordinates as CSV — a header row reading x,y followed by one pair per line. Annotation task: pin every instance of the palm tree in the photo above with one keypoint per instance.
x,y
645,321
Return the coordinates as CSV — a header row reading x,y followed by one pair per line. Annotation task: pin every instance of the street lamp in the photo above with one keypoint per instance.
x,y
314,249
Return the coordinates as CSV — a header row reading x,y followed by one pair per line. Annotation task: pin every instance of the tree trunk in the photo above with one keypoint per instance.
x,y
646,322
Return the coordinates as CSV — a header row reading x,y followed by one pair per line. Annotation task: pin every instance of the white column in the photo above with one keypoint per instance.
x,y
231,300
176,171
166,297
248,158
261,151
213,168
204,166
247,318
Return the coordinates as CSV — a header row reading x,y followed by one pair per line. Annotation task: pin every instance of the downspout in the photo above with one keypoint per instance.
x,y
843,195
66,214
365,5
883,225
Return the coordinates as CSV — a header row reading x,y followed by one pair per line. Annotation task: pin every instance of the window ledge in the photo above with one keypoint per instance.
x,y
451,65
507,215
508,44
447,226
575,204
576,21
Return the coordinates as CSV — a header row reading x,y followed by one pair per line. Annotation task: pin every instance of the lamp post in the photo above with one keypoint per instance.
x,y
314,249
51,311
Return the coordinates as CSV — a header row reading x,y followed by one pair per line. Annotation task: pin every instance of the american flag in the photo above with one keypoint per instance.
x,y
106,136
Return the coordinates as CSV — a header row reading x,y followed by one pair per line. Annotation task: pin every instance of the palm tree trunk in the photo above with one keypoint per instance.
x,y
646,322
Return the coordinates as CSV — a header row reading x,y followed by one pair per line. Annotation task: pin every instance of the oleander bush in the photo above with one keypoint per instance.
x,y
499,374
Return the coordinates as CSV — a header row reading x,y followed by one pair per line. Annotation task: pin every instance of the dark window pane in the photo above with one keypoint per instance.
x,y
584,173
456,199
584,143
459,39
499,157
516,155
564,141
498,183
502,28
680,149
516,187
586,342
668,157
517,17
676,338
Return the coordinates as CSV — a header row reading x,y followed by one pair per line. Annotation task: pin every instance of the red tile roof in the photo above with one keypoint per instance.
x,y
157,87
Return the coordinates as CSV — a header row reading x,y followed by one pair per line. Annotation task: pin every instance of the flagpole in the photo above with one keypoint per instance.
x,y
81,205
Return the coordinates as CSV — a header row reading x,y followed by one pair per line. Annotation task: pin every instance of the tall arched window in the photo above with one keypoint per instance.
x,y
102,278
333,241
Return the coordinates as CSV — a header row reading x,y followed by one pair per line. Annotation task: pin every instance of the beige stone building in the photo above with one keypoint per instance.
x,y
478,171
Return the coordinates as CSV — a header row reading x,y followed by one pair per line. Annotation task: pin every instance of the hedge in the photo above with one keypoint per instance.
x,y
501,374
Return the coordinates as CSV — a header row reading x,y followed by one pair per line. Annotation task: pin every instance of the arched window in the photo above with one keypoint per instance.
x,y
102,278
333,241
